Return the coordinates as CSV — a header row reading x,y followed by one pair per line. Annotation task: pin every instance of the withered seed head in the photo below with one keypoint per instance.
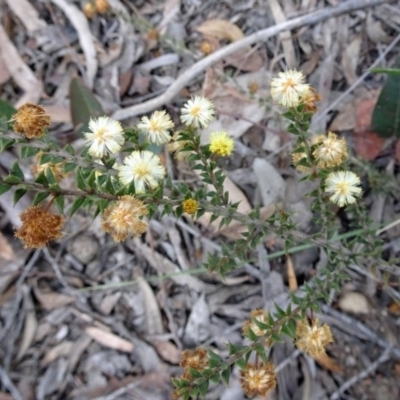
x,y
313,338
259,315
121,218
31,120
39,227
196,359
259,379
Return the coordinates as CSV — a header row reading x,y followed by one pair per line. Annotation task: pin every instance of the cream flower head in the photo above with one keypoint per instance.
x,y
143,168
157,127
289,88
121,218
221,143
106,136
331,152
344,187
312,339
198,111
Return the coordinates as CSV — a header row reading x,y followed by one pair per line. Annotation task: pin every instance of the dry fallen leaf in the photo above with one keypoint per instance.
x,y
109,339
167,350
221,29
62,349
51,300
367,144
328,363
6,251
354,302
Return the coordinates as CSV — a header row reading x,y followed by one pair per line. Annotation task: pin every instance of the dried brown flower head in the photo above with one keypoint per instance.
x,y
39,227
56,169
196,359
259,379
102,6
312,339
190,206
253,87
206,47
121,218
310,98
31,120
259,315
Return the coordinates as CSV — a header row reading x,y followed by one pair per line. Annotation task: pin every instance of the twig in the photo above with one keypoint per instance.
x,y
363,374
260,36
9,385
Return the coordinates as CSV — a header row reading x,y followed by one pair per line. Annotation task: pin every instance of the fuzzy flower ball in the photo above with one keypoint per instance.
x,y
331,152
31,121
259,379
221,144
196,359
39,227
197,112
343,186
143,168
190,206
121,218
106,136
313,338
289,88
156,128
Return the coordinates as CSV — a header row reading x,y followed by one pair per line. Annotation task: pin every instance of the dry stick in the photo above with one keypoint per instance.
x,y
260,36
383,358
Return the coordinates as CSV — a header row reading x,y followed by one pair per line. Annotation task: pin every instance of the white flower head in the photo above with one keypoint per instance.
x,y
344,187
157,127
143,168
289,88
198,111
106,136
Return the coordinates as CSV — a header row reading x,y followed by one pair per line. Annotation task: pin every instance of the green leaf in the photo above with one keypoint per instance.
x,y
59,201
5,143
386,115
41,178
50,176
76,205
84,106
28,151
18,194
226,374
91,180
50,158
4,188
69,149
241,363
40,197
203,387
17,171
80,181
68,167
7,111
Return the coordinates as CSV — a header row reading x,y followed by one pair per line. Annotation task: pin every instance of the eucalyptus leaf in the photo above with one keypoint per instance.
x,y
84,106
386,115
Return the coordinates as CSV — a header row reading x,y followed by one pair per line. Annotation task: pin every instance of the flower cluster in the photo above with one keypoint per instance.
x,y
329,152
